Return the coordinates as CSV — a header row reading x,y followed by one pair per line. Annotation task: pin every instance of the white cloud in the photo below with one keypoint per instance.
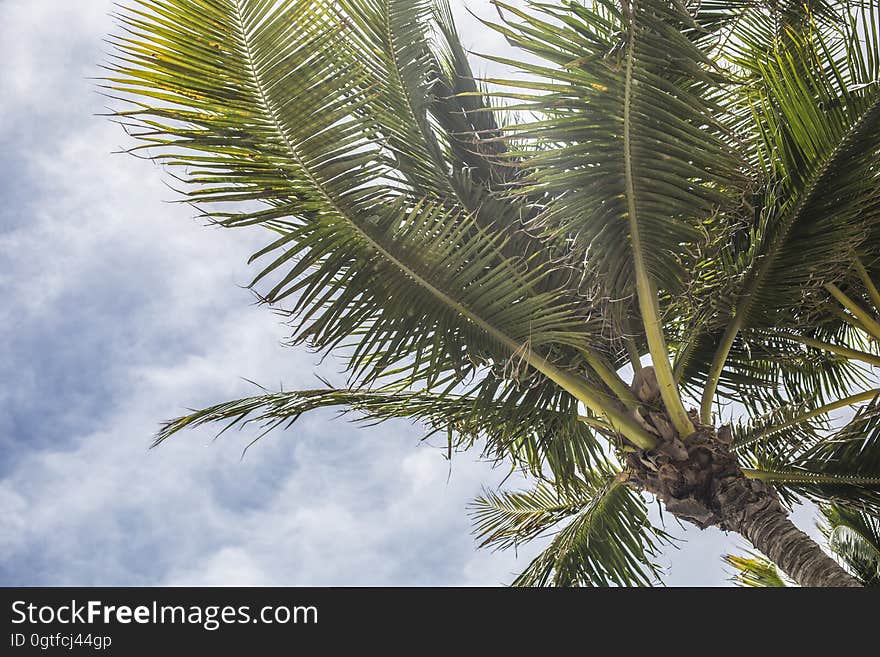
x,y
228,566
43,42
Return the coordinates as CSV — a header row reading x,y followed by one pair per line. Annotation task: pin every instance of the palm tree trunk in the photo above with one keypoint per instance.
x,y
792,550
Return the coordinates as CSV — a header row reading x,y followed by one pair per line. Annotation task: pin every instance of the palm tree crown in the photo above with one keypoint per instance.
x,y
690,184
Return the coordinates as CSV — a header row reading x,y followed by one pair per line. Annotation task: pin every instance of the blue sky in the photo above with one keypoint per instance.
x,y
120,310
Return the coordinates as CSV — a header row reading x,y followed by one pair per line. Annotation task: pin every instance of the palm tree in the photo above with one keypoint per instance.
x,y
672,200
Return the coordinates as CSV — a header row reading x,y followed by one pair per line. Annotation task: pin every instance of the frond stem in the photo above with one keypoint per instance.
x,y
808,478
850,354
822,410
869,284
647,293
858,312
717,366
847,318
742,306
634,358
612,380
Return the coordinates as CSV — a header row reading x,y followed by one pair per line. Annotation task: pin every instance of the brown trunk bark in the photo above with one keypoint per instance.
x,y
699,480
792,550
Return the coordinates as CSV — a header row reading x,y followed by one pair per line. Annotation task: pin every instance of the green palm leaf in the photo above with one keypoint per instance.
x,y
840,467
525,433
605,538
770,370
275,102
854,536
755,571
632,154
815,95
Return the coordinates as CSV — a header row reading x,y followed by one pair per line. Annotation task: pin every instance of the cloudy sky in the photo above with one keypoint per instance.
x,y
120,310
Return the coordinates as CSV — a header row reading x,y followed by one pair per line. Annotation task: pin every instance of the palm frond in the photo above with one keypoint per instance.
x,y
394,37
854,537
602,535
765,370
793,425
755,571
841,467
628,90
281,103
530,436
815,94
